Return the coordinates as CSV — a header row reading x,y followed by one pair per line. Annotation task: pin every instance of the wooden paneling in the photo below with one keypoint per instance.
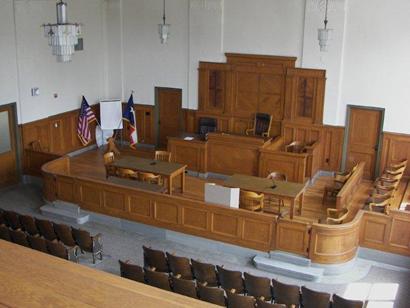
x,y
169,107
332,146
396,147
145,124
33,160
300,132
192,153
188,120
293,236
345,195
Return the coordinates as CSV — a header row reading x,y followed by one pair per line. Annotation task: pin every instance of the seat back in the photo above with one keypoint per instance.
x,y
29,225
5,233
46,229
155,259
286,294
262,124
315,299
231,281
251,201
83,239
64,234
37,243
207,125
340,302
12,220
131,271
109,158
57,249
157,279
163,156
184,287
2,219
240,301
212,295
263,304
277,176
179,266
149,177
204,273
259,287
19,237
127,173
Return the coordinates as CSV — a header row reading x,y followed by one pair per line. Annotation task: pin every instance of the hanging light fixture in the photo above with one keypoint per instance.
x,y
164,28
62,36
325,34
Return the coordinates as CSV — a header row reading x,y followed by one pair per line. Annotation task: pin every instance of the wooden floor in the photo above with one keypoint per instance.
x,y
91,164
29,278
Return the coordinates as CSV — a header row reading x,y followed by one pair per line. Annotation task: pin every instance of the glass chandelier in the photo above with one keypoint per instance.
x,y
324,34
164,28
62,36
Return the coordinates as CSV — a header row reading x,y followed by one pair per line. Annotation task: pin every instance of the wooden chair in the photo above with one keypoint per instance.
x,y
131,271
339,180
65,235
258,287
29,225
295,147
272,201
157,279
263,304
215,296
340,302
88,243
155,260
315,299
277,176
163,156
397,165
336,216
204,273
240,301
59,250
5,233
382,206
46,229
12,220
286,294
184,287
261,125
108,160
37,243
230,281
19,237
251,201
149,178
180,267
35,146
128,174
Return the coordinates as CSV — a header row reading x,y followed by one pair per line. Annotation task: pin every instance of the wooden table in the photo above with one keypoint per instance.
x,y
165,169
284,190
29,278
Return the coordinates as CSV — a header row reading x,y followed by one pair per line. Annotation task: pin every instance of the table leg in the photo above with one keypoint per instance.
x,y
183,181
170,185
301,203
292,208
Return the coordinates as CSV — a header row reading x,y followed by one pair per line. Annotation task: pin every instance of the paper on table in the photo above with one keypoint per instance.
x,y
189,138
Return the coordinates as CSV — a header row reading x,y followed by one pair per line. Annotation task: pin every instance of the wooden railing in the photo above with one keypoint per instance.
x,y
345,195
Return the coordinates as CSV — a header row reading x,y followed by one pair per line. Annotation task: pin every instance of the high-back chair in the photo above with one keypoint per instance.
x,y
215,296
251,201
59,250
315,299
204,273
261,125
65,234
240,301
19,237
258,287
131,271
286,294
29,224
179,266
12,220
340,302
230,281
184,287
263,304
86,242
5,233
155,260
37,243
157,279
46,229
163,156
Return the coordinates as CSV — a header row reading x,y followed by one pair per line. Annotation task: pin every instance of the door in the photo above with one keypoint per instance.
x,y
364,127
169,103
8,151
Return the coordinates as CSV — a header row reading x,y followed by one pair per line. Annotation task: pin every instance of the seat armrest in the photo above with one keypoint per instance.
x,y
249,130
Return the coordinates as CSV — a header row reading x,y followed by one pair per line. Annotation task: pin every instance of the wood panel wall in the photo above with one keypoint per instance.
x,y
396,147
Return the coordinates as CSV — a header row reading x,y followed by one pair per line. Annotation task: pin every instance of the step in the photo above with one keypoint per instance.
x,y
69,215
67,206
288,269
289,258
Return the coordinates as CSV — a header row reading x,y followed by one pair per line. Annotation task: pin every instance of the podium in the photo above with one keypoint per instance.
x,y
222,195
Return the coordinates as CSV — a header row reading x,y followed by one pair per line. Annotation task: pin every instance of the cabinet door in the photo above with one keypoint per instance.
x,y
212,90
57,136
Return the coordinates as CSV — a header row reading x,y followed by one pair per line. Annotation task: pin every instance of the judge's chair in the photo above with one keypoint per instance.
x,y
261,125
206,125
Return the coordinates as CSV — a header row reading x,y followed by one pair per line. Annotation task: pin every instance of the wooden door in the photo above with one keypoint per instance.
x,y
8,151
364,129
169,114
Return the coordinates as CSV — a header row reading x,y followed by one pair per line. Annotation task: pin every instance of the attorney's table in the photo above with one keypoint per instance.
x,y
283,190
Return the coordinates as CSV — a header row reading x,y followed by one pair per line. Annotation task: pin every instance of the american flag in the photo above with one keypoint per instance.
x,y
129,116
86,117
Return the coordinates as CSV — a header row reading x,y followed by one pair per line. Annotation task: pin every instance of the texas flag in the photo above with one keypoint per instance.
x,y
129,116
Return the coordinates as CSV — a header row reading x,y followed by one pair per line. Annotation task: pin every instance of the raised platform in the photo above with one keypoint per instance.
x,y
65,211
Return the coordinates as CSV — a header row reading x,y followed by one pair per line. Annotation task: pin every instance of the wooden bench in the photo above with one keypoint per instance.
x,y
136,184
345,195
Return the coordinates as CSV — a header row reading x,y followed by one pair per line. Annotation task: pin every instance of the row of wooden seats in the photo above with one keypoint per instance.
x,y
222,287
47,236
385,188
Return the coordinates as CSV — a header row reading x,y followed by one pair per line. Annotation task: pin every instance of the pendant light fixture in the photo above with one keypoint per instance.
x,y
164,28
62,36
325,34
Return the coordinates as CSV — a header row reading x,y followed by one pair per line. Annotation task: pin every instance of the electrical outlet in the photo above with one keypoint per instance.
x,y
35,91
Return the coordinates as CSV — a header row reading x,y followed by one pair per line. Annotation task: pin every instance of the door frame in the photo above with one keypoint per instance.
x,y
156,112
379,139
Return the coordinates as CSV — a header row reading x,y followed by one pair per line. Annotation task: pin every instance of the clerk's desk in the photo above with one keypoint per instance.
x,y
221,153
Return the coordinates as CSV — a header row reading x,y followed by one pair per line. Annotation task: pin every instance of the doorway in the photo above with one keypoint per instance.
x,y
363,138
168,104
8,146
